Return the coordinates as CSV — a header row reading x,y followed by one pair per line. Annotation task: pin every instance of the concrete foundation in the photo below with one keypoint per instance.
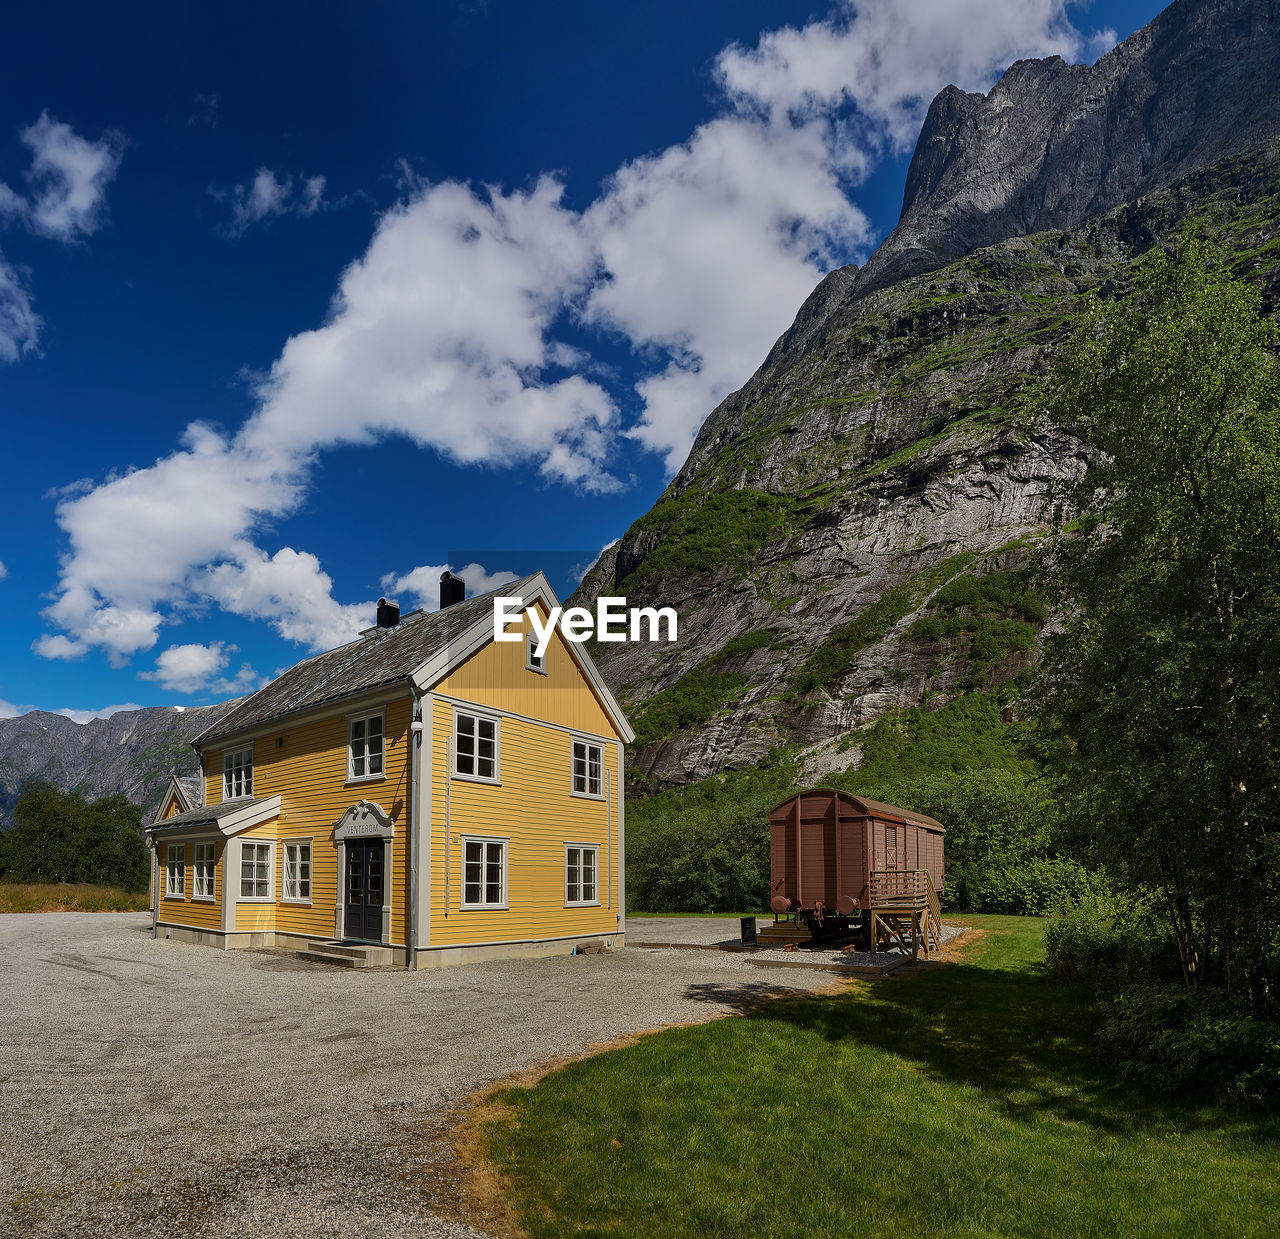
x,y
448,956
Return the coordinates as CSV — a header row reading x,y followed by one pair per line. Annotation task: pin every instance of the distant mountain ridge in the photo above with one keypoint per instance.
x,y
133,752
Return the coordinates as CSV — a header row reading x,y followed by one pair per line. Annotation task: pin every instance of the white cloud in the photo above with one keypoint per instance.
x,y
87,716
888,58
709,248
196,668
290,591
4,572
444,332
56,646
19,323
69,178
423,584
9,710
269,196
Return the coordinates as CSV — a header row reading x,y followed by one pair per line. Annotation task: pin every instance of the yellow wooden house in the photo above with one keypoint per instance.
x,y
422,796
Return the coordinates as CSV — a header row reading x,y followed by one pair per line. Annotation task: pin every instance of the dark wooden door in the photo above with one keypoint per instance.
x,y
363,918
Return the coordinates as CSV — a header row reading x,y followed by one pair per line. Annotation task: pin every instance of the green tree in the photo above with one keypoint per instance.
x,y
60,837
1158,700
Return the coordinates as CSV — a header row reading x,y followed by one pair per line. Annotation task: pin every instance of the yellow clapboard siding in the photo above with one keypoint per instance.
x,y
308,770
198,913
497,676
534,810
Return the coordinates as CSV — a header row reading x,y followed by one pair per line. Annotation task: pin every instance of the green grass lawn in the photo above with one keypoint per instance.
x,y
966,1100
69,897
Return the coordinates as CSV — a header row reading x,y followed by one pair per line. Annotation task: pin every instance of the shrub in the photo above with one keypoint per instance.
x,y
1110,938
1198,1043
705,847
1036,886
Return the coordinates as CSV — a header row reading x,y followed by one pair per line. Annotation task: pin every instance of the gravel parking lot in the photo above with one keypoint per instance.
x,y
155,1088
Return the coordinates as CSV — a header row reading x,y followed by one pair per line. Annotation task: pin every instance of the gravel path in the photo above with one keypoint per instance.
x,y
150,1088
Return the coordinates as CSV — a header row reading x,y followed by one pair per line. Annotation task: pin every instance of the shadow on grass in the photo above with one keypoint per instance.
x,y
1014,1034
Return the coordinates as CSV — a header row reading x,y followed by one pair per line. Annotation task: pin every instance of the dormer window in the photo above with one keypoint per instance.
x,y
237,774
535,661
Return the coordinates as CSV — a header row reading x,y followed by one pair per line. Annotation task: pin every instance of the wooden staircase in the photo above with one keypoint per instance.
x,y
783,933
905,911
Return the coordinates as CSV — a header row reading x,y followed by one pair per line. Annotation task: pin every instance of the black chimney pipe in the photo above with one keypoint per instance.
x,y
388,614
452,589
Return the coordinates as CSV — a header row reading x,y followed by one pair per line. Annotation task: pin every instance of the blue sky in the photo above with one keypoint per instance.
x,y
298,301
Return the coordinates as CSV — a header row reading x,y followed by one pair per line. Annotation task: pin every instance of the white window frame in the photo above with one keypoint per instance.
x,y
485,841
286,844
269,897
531,660
230,766
586,793
594,849
479,716
352,720
200,851
178,889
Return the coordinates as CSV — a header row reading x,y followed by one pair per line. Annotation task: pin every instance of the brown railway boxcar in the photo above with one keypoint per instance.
x,y
825,844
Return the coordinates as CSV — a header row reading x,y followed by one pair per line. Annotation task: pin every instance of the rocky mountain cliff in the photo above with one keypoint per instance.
x,y
846,533
133,752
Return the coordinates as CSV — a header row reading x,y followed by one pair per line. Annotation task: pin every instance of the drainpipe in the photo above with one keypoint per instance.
x,y
415,761
155,885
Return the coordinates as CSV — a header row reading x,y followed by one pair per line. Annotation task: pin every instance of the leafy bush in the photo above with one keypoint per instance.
x,y
1195,1043
705,847
1034,886
1109,938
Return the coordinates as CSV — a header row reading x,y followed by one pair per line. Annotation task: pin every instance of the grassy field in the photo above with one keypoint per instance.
x,y
68,897
965,1100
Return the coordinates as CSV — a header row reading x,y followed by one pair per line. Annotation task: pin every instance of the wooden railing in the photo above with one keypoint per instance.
x,y
905,895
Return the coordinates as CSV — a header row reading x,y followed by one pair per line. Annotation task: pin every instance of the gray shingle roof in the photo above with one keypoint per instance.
x,y
383,657
192,788
200,817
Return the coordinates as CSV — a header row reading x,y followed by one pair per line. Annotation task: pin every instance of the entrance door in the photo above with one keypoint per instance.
x,y
363,918
892,853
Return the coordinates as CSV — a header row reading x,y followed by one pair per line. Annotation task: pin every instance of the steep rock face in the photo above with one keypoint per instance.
x,y
133,753
893,440
1054,143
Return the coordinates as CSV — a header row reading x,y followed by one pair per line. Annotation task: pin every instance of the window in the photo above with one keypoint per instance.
x,y
297,870
581,864
365,737
237,774
484,877
203,888
535,661
175,871
255,870
587,765
475,747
